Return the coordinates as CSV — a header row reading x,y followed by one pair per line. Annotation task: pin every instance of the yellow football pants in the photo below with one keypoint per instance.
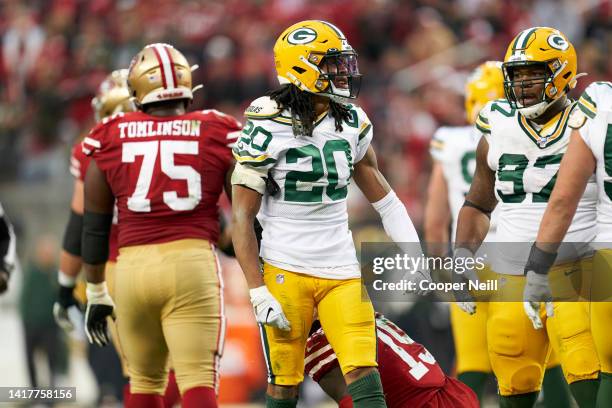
x,y
519,353
169,303
346,315
601,307
470,333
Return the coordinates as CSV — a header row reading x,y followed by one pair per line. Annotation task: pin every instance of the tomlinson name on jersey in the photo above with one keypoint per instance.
x,y
148,128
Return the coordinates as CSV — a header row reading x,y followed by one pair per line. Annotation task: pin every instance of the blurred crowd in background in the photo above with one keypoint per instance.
x,y
415,56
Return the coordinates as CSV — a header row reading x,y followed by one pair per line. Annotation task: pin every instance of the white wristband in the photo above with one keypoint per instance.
x,y
65,280
259,291
96,291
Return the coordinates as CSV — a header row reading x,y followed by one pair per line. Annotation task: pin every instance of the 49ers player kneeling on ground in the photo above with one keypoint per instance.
x,y
409,373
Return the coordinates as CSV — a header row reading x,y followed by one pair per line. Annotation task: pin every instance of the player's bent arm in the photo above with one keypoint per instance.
x,y
372,183
245,206
577,166
437,213
97,220
473,222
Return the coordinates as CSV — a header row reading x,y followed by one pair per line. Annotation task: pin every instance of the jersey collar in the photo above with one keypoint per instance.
x,y
536,135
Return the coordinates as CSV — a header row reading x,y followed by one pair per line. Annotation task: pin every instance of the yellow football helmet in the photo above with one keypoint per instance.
x,y
548,48
486,83
316,57
112,96
159,72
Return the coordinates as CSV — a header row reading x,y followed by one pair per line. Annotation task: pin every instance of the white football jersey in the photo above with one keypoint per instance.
x,y
305,224
526,159
455,149
596,104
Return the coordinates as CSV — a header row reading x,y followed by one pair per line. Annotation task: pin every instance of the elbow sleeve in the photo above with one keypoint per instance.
x,y
73,234
96,232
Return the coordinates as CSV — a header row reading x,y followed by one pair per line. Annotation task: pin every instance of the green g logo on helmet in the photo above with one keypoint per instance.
x,y
302,35
558,42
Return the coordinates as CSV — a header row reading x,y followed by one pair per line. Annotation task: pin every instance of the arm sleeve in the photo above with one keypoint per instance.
x,y
396,221
73,234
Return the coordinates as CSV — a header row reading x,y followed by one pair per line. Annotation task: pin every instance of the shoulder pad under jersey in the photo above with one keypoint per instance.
x,y
262,108
577,118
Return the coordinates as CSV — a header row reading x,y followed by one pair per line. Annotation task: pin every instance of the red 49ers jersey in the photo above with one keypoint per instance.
x,y
409,373
166,173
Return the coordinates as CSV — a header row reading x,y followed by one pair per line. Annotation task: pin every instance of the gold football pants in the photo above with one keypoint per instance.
x,y
169,304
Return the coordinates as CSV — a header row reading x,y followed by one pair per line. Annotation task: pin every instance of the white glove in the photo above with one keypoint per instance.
x,y
537,290
267,309
464,298
99,307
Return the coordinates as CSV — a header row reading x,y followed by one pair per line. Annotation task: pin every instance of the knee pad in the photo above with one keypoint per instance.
x,y
579,357
517,353
523,380
504,337
577,352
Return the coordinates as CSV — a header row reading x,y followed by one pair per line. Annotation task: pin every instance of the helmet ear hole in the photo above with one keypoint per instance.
x,y
567,75
299,70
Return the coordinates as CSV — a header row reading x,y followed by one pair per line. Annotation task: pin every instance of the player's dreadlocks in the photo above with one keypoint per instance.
x,y
302,109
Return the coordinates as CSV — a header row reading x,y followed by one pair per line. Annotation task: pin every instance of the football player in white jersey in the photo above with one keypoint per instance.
x,y
453,150
517,160
589,151
300,148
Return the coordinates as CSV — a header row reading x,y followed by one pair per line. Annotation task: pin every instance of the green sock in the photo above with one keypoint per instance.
x,y
555,390
604,396
475,380
585,392
518,401
280,403
367,392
